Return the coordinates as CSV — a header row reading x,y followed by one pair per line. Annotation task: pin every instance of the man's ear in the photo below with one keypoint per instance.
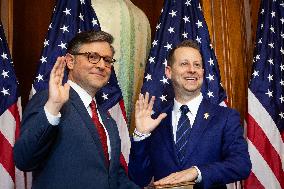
x,y
168,72
70,60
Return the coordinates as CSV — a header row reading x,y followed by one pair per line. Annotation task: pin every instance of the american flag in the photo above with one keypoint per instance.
x,y
69,18
265,118
180,20
10,110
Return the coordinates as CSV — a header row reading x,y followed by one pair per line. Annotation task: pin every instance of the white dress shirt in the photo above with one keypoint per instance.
x,y
87,99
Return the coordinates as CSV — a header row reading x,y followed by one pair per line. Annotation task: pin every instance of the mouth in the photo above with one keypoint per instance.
x,y
191,78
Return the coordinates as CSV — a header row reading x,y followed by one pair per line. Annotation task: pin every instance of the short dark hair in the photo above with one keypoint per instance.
x,y
89,37
185,43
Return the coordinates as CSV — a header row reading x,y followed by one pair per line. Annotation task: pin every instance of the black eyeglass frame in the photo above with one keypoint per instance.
x,y
87,54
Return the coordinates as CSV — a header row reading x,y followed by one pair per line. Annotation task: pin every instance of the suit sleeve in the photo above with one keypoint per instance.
x,y
235,164
36,135
140,170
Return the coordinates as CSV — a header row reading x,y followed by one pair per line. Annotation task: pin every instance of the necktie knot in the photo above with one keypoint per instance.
x,y
184,109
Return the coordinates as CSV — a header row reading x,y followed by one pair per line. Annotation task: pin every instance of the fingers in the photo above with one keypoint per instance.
x,y
57,72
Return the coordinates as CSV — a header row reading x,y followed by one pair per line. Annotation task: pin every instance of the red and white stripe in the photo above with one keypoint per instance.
x,y
266,148
10,177
118,113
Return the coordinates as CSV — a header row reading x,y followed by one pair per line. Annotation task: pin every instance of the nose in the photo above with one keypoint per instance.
x,y
190,68
100,64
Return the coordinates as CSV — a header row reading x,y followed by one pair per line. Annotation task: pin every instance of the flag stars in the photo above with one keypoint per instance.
x,y
272,14
173,13
5,73
39,77
67,11
198,39
262,11
94,22
148,77
171,30
165,62
270,78
184,35
281,115
45,43
255,73
188,2
199,24
282,82
210,77
164,80
282,4
43,59
269,93
163,98
210,94
261,26
281,99
260,41
271,45
168,46
282,20
62,45
82,2
50,26
5,91
282,67
257,57
158,26
211,62
151,60
282,35
81,16
270,61
154,43
282,51
186,19
64,28
272,29
4,56
105,96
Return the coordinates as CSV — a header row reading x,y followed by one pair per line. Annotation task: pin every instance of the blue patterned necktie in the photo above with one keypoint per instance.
x,y
182,132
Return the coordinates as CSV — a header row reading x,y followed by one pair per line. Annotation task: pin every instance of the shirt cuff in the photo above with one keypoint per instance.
x,y
52,119
137,136
199,177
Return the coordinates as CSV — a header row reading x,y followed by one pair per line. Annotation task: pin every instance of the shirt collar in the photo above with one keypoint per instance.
x,y
84,96
193,105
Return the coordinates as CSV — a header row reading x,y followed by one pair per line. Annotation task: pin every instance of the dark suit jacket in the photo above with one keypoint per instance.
x,y
215,145
70,155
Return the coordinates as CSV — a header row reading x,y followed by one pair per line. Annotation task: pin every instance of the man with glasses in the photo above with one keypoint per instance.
x,y
66,139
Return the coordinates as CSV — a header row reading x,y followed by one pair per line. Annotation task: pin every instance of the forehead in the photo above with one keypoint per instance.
x,y
187,53
103,48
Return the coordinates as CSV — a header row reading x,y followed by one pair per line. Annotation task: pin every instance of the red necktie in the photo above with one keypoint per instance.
x,y
101,130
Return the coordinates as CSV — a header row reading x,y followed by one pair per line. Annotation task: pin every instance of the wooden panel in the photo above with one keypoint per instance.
x,y
31,20
227,26
7,20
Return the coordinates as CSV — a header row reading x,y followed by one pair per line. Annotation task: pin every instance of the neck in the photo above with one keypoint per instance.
x,y
184,98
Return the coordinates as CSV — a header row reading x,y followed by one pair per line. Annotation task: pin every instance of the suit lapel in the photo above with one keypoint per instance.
x,y
81,110
204,115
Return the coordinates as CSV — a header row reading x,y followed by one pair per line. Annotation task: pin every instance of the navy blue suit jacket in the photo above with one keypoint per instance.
x,y
69,155
215,145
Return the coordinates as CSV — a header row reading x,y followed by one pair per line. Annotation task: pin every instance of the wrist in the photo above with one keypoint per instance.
x,y
53,108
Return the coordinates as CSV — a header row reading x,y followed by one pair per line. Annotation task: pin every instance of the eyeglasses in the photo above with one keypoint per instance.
x,y
94,58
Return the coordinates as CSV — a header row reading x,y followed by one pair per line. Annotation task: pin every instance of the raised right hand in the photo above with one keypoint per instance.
x,y
143,109
58,93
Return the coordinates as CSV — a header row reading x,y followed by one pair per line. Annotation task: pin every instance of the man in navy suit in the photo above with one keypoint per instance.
x,y
193,140
66,140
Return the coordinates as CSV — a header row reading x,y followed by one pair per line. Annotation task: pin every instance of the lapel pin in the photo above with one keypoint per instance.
x,y
206,115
